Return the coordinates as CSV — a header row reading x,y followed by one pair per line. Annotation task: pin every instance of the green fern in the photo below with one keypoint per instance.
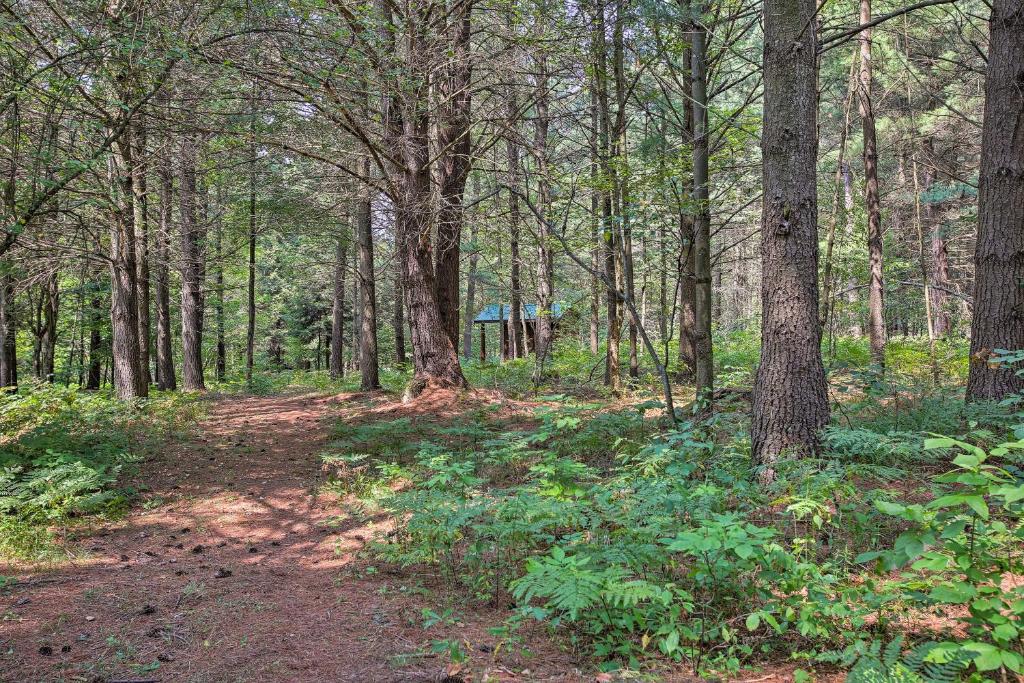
x,y
926,663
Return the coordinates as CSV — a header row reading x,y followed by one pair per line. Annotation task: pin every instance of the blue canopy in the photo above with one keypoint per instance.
x,y
494,313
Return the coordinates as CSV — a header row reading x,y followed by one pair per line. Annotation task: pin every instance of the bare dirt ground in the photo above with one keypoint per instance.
x,y
237,569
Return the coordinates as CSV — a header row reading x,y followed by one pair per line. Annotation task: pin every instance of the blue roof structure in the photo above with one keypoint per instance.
x,y
494,313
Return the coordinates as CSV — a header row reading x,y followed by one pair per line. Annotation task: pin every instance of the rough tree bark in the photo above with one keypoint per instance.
x,y
337,362
218,279
407,134
126,361
609,239
873,205
8,331
166,379
470,304
515,229
622,177
398,323
141,207
192,270
939,276
790,401
49,295
998,316
455,150
544,323
368,362
703,352
94,376
595,220
250,292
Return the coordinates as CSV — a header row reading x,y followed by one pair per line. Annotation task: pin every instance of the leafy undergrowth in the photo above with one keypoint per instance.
x,y
63,455
897,555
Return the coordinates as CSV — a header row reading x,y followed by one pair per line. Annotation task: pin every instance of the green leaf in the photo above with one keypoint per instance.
x,y
753,621
987,657
977,503
889,508
743,551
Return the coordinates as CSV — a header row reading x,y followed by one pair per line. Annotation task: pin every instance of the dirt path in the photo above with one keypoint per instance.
x,y
235,573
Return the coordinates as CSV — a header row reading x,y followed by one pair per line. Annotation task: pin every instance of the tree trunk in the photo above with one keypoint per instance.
x,y
790,400
622,178
94,377
337,364
141,206
166,379
356,326
250,301
8,331
515,228
218,245
399,319
368,364
471,277
50,296
192,270
876,302
704,361
941,322
544,324
407,134
609,239
127,375
841,177
595,218
998,317
455,149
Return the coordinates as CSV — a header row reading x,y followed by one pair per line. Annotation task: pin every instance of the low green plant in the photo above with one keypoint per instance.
x,y
63,455
962,553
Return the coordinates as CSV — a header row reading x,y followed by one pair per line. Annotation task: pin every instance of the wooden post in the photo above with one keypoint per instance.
x,y
483,343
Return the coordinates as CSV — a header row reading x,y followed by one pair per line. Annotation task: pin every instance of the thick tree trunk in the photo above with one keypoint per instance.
x,y
8,331
407,134
998,316
141,206
873,205
368,362
126,361
337,363
455,148
790,401
703,353
166,379
193,268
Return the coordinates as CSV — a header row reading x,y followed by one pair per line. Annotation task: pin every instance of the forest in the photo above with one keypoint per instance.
x,y
511,340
